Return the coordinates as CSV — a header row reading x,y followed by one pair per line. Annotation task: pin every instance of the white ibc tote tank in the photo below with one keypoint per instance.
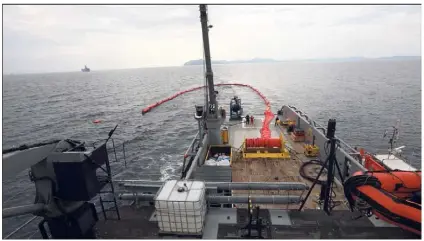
x,y
181,207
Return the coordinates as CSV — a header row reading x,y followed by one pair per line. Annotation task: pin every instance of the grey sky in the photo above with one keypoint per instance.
x,y
64,38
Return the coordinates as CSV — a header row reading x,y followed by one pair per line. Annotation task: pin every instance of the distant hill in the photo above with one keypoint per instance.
x,y
264,60
350,59
353,59
255,60
402,57
200,62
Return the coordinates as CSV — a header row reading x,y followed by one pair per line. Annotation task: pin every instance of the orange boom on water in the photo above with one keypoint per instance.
x,y
152,106
265,131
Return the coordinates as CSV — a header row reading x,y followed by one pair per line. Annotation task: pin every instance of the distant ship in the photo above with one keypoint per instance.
x,y
85,69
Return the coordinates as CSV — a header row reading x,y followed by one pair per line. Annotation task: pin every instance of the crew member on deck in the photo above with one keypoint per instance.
x,y
222,112
277,121
247,119
251,119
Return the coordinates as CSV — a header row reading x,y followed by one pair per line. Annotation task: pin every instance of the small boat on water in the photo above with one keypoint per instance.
x,y
86,69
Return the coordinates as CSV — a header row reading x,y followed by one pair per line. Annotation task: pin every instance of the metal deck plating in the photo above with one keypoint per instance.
x,y
226,223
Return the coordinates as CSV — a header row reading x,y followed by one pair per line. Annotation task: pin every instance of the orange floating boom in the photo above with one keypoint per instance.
x,y
265,131
152,106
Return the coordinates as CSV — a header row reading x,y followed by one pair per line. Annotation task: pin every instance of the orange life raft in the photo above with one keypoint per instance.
x,y
393,196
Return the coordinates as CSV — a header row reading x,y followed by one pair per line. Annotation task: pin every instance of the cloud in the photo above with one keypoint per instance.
x,y
40,38
288,32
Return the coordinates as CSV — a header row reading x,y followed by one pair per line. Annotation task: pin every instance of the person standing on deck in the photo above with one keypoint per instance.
x,y
277,121
251,119
222,112
247,119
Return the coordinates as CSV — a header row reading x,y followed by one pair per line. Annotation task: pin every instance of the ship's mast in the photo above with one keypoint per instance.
x,y
213,120
212,109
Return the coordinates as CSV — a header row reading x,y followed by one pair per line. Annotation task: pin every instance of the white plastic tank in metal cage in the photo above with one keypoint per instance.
x,y
181,207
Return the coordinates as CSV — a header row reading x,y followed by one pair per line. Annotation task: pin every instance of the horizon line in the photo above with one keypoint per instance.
x,y
183,65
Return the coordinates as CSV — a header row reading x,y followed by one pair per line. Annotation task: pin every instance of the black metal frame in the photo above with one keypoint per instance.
x,y
331,161
256,224
108,180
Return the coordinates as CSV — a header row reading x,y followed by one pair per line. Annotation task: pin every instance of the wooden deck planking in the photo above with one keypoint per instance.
x,y
277,170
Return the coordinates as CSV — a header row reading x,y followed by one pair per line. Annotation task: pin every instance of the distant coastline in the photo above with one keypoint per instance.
x,y
255,60
264,60
219,62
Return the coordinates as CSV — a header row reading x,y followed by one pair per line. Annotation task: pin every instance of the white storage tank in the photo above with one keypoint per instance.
x,y
181,207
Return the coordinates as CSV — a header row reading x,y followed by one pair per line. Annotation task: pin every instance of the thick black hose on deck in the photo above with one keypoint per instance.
x,y
309,178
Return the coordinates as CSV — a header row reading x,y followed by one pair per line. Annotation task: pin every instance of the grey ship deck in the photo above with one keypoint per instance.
x,y
284,221
227,223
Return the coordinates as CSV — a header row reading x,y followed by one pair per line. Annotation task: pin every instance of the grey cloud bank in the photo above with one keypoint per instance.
x,y
64,38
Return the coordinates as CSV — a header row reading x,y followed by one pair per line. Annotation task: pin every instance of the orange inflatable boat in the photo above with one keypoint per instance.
x,y
393,196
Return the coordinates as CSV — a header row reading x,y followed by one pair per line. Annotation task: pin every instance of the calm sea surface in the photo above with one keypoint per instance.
x,y
365,97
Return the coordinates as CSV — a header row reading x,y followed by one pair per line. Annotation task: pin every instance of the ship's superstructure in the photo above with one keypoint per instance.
x,y
86,69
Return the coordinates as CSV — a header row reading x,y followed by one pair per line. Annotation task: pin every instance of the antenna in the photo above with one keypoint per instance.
x,y
393,139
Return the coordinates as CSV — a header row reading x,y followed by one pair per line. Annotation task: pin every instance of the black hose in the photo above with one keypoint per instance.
x,y
312,179
309,178
356,181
